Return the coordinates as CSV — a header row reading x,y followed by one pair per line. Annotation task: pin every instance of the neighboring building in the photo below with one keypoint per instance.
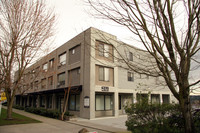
x,y
99,87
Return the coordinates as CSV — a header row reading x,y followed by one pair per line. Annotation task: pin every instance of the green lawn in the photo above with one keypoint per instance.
x,y
17,119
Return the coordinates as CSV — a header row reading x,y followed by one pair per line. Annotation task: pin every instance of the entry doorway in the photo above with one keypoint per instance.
x,y
124,100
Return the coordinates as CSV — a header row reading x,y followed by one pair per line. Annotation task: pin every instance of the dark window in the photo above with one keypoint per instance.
x,y
141,97
74,102
120,100
130,57
165,98
49,102
42,101
130,76
61,79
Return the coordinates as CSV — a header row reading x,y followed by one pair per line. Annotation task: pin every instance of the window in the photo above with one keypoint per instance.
x,y
155,98
61,79
104,73
49,102
130,76
36,85
120,102
42,101
44,67
130,56
51,63
50,81
165,98
74,102
73,51
79,71
103,50
62,59
104,102
142,97
43,83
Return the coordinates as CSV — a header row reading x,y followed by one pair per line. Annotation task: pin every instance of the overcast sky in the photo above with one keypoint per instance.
x,y
73,18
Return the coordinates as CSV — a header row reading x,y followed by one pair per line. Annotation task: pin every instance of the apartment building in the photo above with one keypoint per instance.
x,y
91,69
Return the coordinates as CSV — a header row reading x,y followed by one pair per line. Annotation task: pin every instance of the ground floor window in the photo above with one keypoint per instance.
x,y
165,98
141,97
155,98
74,102
34,101
59,102
42,101
17,100
104,102
49,102
120,102
30,101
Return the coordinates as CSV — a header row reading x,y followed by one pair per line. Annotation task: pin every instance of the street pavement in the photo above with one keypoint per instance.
x,y
48,125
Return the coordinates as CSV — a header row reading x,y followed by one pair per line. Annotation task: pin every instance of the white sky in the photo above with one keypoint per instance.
x,y
72,19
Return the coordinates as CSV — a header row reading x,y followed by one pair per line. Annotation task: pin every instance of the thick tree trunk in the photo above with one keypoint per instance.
x,y
9,110
188,119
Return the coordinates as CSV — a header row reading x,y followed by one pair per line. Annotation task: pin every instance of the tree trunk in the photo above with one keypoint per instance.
x,y
188,119
9,110
65,103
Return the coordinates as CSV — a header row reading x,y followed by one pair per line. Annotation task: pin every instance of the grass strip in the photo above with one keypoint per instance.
x,y
17,119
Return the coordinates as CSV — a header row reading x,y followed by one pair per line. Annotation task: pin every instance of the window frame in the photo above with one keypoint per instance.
x,y
73,51
168,98
75,102
49,101
51,65
130,77
45,67
130,56
58,82
103,50
50,78
105,75
155,97
104,102
59,59
42,101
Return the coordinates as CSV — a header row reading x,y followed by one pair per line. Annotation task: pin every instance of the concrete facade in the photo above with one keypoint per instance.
x,y
91,67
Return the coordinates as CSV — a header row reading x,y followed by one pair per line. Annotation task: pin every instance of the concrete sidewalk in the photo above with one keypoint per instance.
x,y
53,125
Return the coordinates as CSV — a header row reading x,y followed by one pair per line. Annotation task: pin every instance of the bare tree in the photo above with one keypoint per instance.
x,y
25,26
66,97
170,32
